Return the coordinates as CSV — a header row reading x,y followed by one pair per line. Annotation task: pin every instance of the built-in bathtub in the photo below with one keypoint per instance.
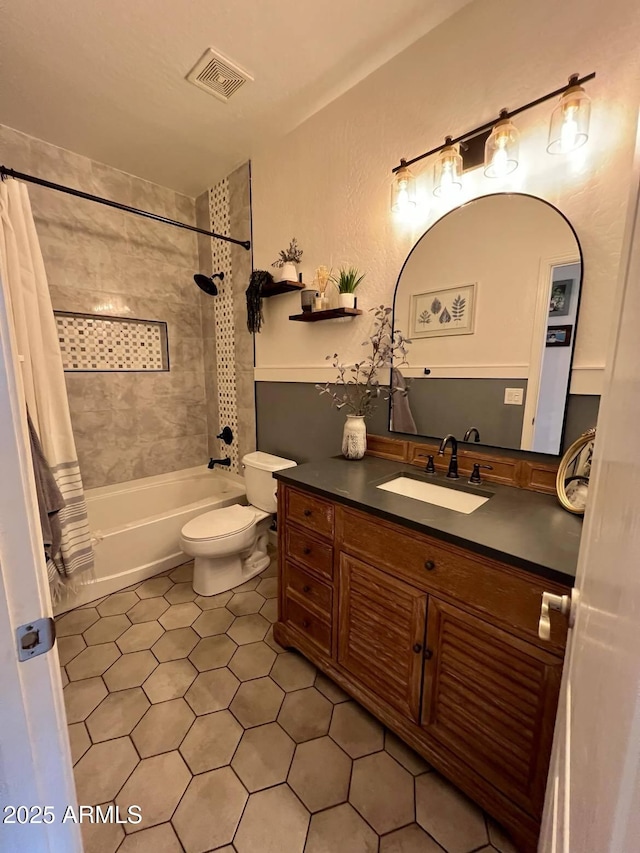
x,y
135,526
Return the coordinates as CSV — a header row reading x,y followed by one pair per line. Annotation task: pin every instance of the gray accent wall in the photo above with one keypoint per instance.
x,y
295,422
440,406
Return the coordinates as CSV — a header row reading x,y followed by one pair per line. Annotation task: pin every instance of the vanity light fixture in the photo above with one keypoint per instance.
x,y
403,190
447,180
569,130
569,127
501,148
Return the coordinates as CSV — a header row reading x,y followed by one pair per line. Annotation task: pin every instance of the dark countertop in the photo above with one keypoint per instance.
x,y
523,528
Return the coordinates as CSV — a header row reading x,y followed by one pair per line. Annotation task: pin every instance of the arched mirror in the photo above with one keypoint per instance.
x,y
489,296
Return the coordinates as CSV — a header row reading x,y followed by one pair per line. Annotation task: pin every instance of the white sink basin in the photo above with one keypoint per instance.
x,y
430,493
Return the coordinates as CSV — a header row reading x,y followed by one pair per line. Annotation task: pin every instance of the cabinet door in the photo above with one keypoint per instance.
x,y
381,637
491,699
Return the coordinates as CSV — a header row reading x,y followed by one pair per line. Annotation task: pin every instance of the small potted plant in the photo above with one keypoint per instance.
x,y
347,282
288,260
357,387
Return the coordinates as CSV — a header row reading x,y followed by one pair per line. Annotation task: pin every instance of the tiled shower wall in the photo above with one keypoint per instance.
x,y
226,209
103,261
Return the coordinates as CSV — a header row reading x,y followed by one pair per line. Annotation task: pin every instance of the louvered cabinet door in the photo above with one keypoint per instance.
x,y
382,630
491,699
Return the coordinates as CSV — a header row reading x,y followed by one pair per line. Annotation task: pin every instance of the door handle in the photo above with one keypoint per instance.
x,y
550,601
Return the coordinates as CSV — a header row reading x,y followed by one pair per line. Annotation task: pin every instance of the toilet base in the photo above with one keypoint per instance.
x,y
212,575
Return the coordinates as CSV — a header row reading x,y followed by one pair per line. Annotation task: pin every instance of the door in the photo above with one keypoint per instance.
x,y
490,698
593,793
381,637
35,761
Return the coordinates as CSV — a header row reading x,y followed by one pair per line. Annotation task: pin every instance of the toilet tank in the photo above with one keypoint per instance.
x,y
258,477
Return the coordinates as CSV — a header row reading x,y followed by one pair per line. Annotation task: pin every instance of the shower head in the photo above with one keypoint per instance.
x,y
207,283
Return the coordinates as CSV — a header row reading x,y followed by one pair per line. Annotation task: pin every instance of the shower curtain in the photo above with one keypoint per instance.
x,y
34,325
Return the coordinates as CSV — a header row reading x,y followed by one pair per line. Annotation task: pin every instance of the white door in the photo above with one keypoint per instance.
x,y
593,795
35,762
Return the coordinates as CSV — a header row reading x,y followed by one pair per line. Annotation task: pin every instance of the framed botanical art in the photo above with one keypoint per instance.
x,y
449,311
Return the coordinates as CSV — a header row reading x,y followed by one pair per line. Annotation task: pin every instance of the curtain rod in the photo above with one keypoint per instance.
x,y
574,80
5,172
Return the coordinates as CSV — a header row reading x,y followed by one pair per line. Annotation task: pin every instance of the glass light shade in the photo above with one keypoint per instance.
x,y
403,191
501,150
569,127
447,181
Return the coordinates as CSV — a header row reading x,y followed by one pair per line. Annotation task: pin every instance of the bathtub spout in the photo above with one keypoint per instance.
x,y
226,462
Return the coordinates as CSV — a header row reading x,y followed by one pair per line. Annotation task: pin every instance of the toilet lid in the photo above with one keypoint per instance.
x,y
219,522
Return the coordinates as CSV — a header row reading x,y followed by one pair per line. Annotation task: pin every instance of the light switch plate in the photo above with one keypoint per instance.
x,y
513,396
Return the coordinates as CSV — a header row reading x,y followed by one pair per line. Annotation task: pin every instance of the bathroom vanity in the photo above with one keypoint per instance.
x,y
429,618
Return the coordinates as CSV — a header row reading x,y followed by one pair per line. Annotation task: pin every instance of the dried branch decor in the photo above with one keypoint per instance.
x,y
292,255
357,386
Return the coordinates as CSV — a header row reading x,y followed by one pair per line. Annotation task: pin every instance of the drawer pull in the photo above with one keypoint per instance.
x,y
306,550
305,623
307,512
306,588
417,648
429,565
428,654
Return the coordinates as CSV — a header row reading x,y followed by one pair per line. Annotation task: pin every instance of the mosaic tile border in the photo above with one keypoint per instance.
x,y
219,212
101,343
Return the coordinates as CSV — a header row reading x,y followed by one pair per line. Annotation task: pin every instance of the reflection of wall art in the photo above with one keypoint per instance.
x,y
101,343
559,336
560,298
450,311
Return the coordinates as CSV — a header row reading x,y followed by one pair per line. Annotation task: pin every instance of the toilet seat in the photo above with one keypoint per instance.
x,y
220,523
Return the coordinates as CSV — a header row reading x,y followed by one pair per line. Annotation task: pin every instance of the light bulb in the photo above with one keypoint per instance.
x,y
569,131
569,127
403,198
447,182
501,149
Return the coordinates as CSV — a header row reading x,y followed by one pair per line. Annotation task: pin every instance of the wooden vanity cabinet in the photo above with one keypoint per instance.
x,y
438,642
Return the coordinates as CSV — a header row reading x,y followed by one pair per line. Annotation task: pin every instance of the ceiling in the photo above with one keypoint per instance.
x,y
106,78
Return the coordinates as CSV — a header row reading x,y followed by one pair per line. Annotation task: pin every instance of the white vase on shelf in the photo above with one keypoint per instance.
x,y
354,437
347,300
289,272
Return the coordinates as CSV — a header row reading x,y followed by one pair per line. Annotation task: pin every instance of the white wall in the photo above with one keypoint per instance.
x,y
327,182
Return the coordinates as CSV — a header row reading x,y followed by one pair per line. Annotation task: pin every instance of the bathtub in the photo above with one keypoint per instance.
x,y
135,526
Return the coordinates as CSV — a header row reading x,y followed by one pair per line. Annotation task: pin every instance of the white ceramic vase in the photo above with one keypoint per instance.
x,y
347,300
289,272
354,437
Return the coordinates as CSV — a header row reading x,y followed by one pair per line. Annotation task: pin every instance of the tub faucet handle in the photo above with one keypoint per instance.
x,y
226,435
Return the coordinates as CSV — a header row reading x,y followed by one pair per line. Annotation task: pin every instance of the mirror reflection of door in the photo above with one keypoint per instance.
x,y
489,296
555,371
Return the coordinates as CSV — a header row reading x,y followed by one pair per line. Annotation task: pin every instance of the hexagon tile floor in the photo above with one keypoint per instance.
x,y
187,707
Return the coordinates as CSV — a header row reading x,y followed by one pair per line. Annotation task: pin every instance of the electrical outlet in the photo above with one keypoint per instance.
x,y
513,396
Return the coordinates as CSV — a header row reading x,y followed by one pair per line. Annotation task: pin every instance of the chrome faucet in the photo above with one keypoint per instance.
x,y
467,435
452,473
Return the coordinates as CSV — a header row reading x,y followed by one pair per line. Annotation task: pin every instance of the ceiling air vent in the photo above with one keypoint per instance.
x,y
217,75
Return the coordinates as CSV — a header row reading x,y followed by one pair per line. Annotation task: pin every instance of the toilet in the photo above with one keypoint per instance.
x,y
229,545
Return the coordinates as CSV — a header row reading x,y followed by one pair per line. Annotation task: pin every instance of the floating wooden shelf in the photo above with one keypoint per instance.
x,y
330,314
282,287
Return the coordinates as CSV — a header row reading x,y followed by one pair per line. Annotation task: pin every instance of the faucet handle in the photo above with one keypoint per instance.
x,y
430,467
475,476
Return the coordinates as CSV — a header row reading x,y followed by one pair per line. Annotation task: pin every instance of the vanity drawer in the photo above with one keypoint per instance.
x,y
313,513
303,548
503,593
308,588
307,623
